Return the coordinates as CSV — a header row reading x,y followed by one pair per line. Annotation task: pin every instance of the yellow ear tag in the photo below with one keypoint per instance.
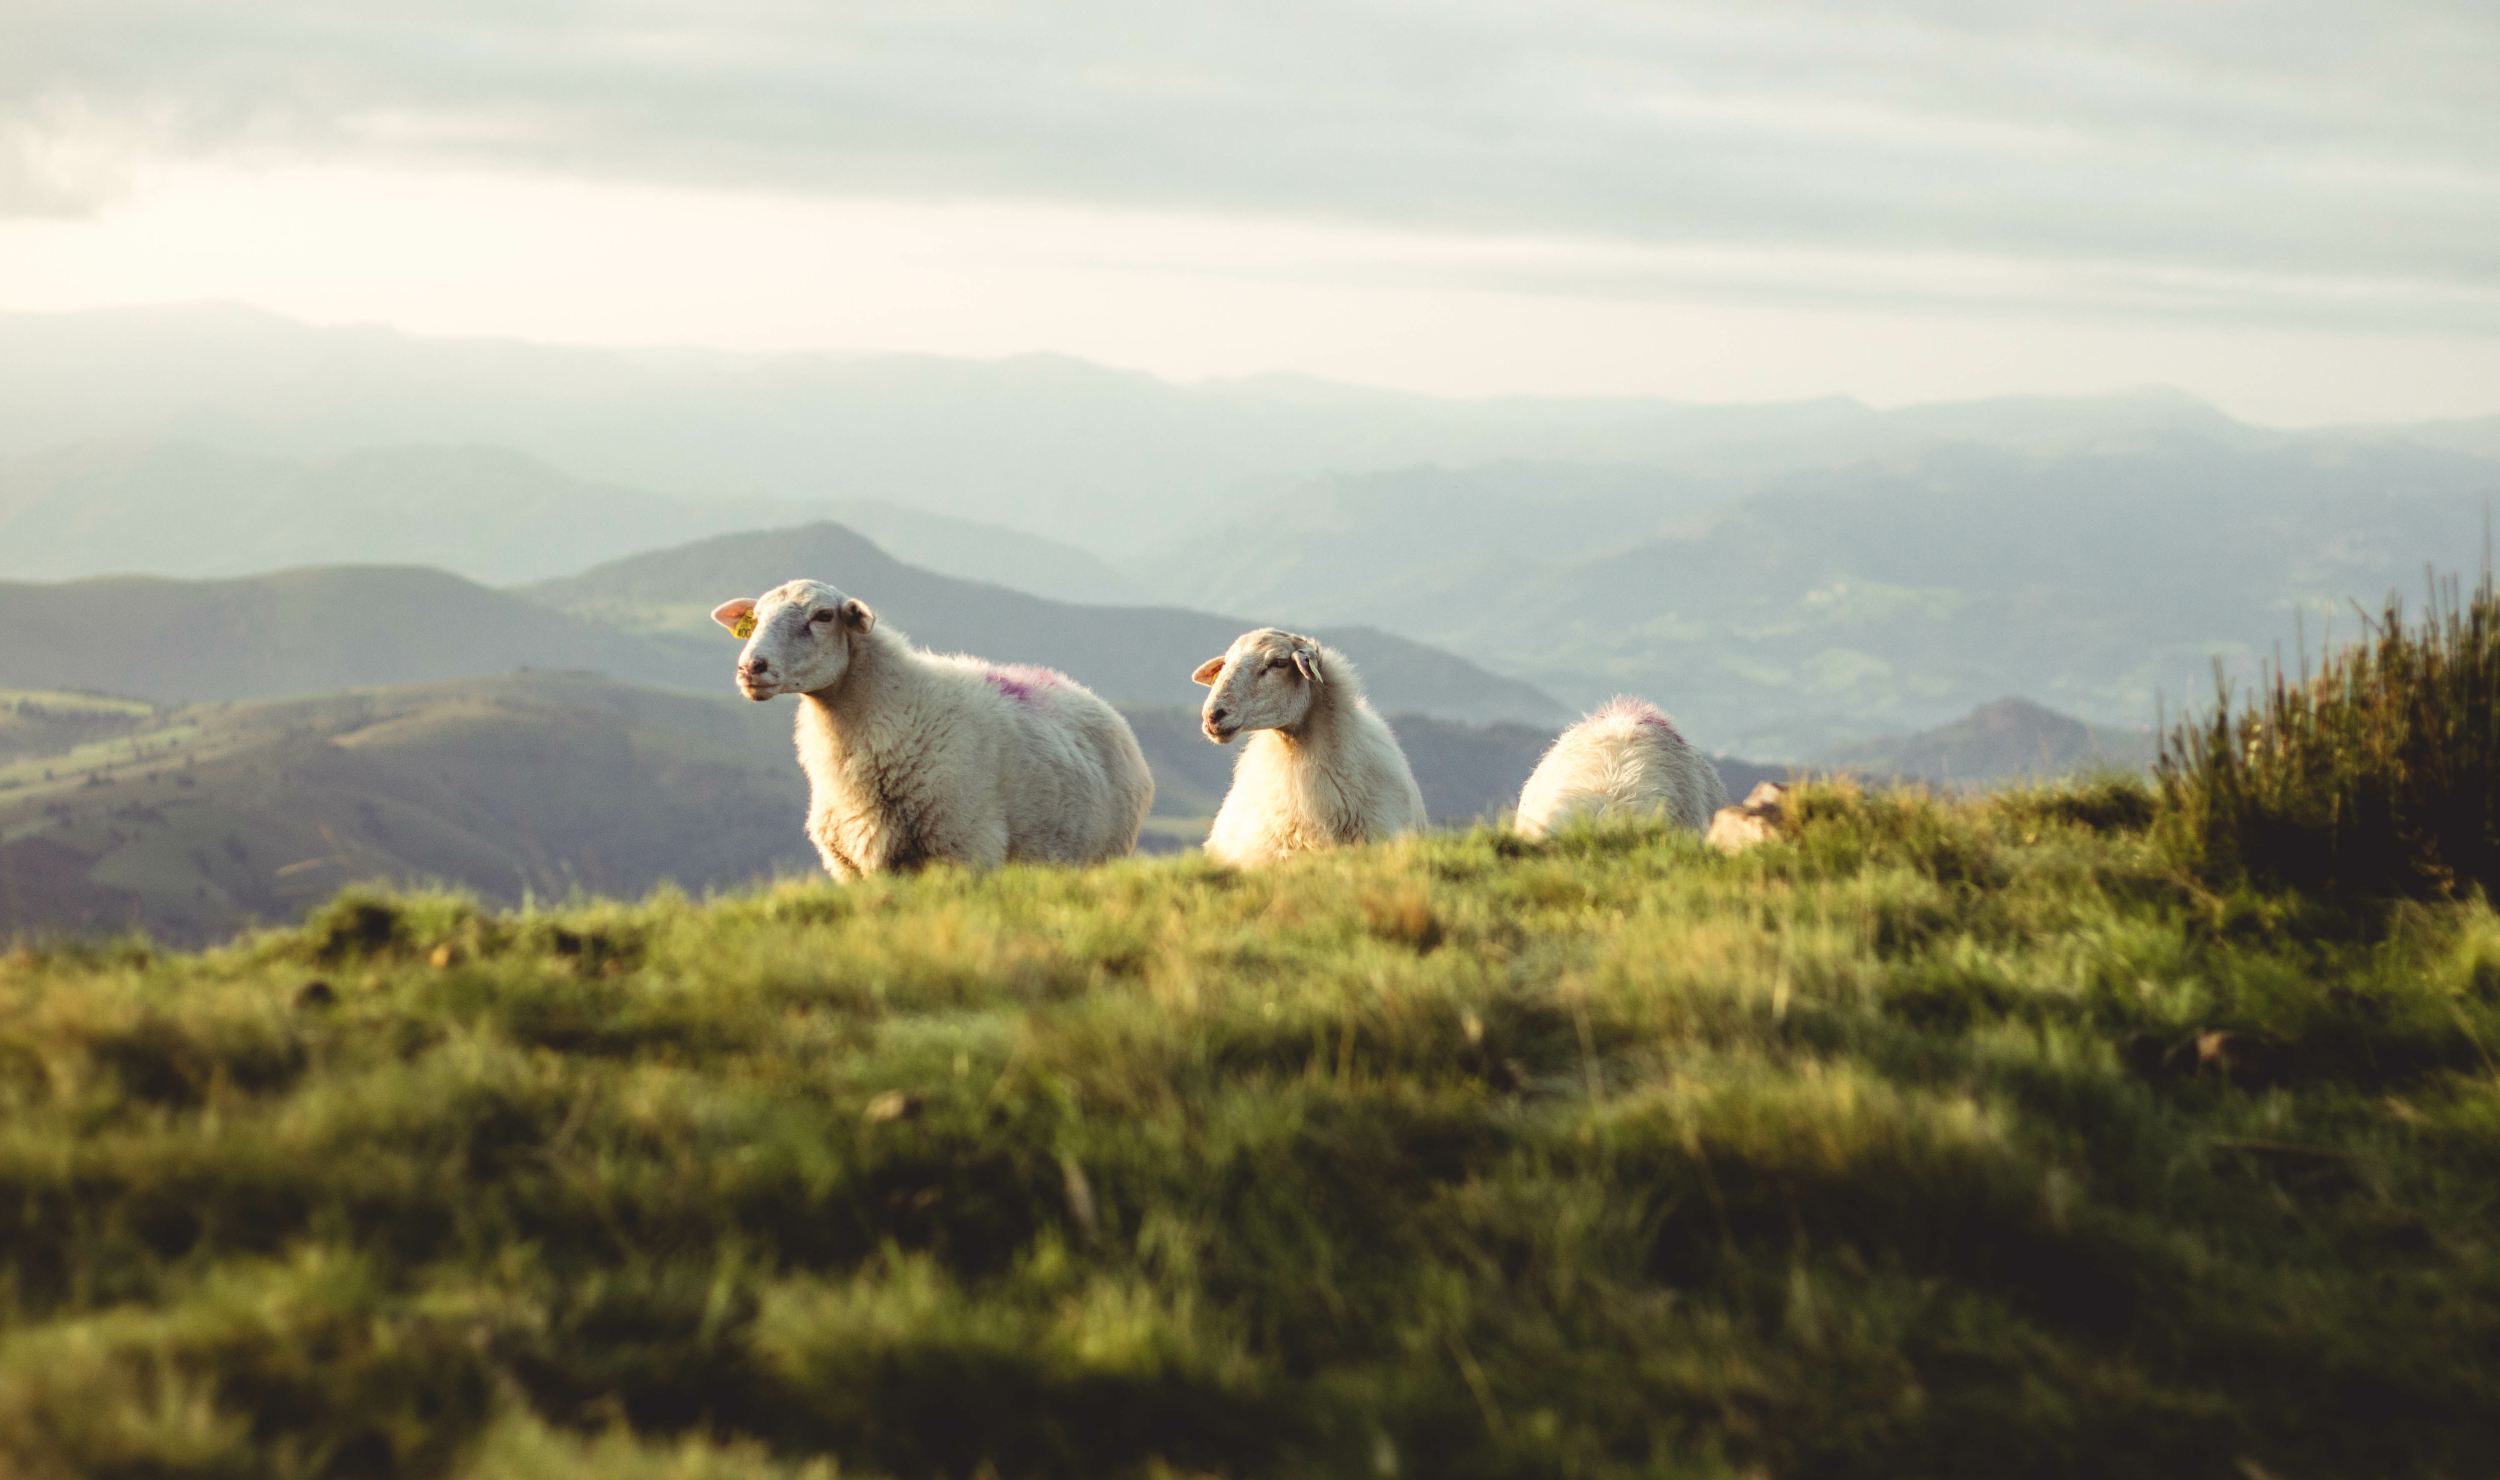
x,y
744,627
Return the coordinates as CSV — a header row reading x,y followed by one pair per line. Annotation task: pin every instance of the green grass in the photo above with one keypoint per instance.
x,y
1970,1138
2375,777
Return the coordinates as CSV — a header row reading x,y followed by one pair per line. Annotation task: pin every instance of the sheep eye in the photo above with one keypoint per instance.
x,y
1280,662
822,616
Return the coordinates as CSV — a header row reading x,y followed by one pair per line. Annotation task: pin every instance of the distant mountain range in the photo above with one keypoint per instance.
x,y
1142,654
2006,740
1838,605
181,509
644,620
1111,461
1783,578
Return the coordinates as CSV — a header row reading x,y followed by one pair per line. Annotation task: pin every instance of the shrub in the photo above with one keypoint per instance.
x,y
2373,777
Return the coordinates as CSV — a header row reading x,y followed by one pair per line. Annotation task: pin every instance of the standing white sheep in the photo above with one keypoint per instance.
x,y
1624,760
1321,770
914,757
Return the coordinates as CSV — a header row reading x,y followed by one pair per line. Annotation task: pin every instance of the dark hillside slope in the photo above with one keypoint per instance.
x,y
213,815
1140,654
304,632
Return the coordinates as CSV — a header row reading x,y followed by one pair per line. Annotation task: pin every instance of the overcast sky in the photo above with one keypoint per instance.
x,y
2292,208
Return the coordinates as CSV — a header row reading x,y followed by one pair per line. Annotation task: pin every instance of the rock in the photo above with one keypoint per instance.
x,y
1762,817
892,1105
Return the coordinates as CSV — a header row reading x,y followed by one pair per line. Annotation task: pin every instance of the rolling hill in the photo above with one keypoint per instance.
x,y
1139,654
306,632
2011,738
320,629
194,820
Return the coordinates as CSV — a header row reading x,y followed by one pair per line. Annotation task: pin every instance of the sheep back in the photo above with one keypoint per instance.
x,y
1625,760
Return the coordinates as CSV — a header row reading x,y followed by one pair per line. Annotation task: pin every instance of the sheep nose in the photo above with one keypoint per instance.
x,y
1218,716
758,667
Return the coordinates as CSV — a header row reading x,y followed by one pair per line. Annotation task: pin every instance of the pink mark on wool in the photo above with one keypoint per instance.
x,y
1022,682
1624,709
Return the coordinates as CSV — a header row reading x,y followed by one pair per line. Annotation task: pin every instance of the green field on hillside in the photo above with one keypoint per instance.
x,y
1951,1138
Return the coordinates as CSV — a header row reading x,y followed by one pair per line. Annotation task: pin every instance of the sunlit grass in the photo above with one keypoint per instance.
x,y
2376,775
1952,1138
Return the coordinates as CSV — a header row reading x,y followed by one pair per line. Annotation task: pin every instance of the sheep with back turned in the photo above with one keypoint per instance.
x,y
1321,768
913,757
1625,760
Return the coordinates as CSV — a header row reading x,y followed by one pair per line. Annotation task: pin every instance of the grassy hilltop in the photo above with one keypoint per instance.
x,y
1971,1138
2107,1129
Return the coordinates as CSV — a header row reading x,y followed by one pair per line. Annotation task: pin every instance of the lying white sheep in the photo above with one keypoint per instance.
x,y
1322,768
913,757
1626,760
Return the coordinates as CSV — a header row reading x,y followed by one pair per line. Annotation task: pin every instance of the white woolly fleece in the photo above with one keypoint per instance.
x,y
914,757
1625,760
1320,769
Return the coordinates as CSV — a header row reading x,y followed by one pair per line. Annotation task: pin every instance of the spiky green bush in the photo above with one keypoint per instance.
x,y
2375,776
1949,1139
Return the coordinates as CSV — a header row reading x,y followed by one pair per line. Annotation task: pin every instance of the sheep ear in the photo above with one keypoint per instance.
x,y
738,616
1307,659
1207,671
857,616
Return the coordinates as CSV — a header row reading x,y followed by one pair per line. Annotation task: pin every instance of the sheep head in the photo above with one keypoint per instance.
x,y
798,638
1264,681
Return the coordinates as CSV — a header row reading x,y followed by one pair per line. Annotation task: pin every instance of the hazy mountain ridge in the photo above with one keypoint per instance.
x,y
1783,578
177,509
1112,461
491,515
2008,739
304,632
1829,605
1143,654
1397,544
326,628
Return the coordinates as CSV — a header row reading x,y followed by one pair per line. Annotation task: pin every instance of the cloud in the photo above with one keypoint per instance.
x,y
2352,146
